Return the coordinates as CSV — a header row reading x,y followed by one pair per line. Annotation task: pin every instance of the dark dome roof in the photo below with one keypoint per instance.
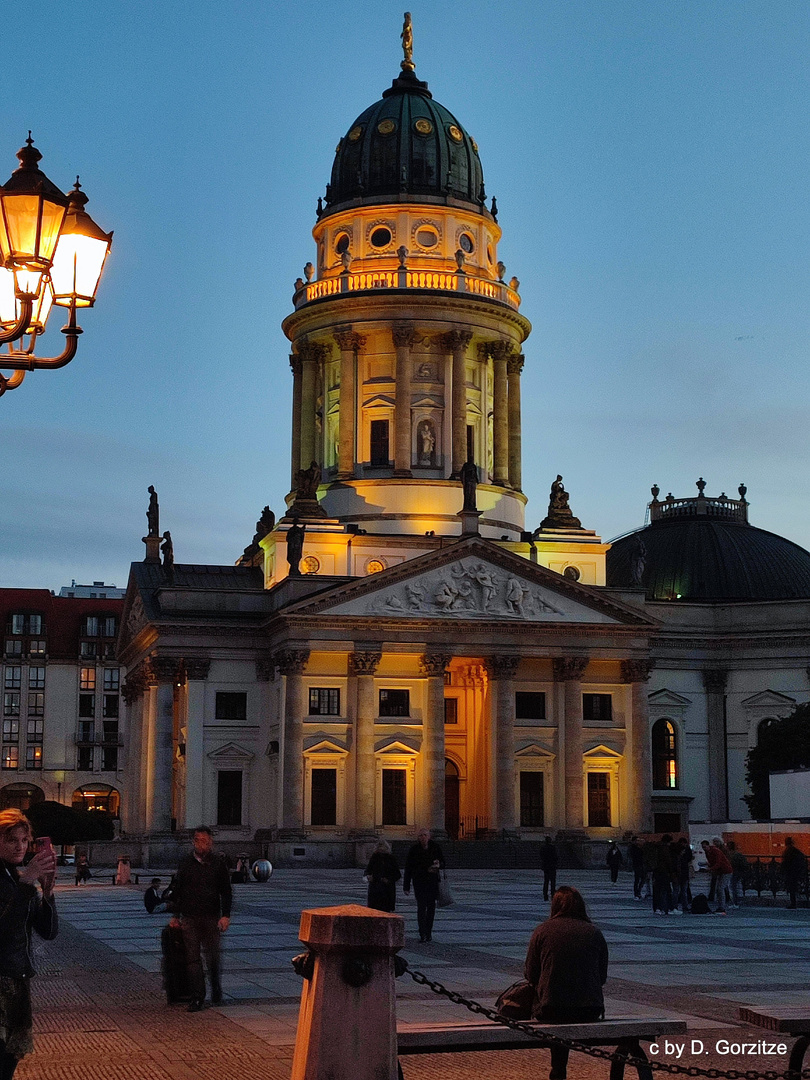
x,y
707,559
404,148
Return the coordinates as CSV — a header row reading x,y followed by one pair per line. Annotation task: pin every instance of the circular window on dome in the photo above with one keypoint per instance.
x,y
374,566
466,243
341,243
310,565
427,237
572,573
355,133
423,126
381,237
474,144
455,133
385,127
339,147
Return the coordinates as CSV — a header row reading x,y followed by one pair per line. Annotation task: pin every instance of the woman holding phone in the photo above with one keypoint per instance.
x,y
23,908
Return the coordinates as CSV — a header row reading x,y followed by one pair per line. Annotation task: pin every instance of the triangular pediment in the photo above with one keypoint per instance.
x,y
669,699
401,744
320,744
472,579
768,699
534,750
231,752
603,750
380,401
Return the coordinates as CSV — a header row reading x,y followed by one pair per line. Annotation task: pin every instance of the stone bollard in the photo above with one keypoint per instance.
x,y
347,1024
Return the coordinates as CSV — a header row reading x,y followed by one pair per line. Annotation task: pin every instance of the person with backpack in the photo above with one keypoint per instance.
x,y
793,869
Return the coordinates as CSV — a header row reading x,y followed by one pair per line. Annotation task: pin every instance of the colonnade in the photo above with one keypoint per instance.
x,y
307,365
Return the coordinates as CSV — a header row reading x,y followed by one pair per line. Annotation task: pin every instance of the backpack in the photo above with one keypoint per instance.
x,y
700,905
516,1001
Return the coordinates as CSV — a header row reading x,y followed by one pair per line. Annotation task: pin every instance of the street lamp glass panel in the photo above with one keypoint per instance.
x,y
42,308
32,225
77,268
28,282
8,301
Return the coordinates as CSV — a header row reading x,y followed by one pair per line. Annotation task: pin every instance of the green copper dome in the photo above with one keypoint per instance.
x,y
406,147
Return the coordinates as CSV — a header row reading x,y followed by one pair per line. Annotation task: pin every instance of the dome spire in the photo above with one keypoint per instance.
x,y
407,44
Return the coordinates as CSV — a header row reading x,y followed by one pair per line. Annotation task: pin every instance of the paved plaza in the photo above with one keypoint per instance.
x,y
99,1008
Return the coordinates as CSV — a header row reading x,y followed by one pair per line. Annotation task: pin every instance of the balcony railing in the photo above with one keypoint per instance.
x,y
403,278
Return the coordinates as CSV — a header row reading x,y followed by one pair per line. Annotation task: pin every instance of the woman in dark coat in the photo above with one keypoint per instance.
x,y
383,874
567,963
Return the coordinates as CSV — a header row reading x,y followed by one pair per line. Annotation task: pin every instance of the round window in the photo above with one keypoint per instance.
x,y
423,126
572,573
466,243
385,127
381,237
310,565
427,238
355,133
374,566
342,243
455,133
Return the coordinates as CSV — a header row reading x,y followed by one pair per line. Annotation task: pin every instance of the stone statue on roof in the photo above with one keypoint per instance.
x,y
295,547
559,513
153,514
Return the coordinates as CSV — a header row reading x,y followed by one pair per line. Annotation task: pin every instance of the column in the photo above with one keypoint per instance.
x,y
159,804
500,351
291,664
312,355
568,670
295,461
362,666
135,691
349,343
715,684
514,367
501,671
456,342
403,339
638,751
433,667
196,674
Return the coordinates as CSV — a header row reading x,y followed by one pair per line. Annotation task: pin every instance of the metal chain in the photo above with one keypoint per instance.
x,y
594,1051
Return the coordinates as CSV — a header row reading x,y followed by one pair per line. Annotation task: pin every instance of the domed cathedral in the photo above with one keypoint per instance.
x,y
397,648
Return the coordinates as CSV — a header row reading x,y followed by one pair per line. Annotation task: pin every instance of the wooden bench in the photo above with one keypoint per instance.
x,y
787,1019
624,1034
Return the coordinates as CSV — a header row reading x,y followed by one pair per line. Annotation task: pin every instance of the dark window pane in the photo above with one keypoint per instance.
x,y
87,705
229,797
324,701
598,799
109,758
451,710
531,799
231,706
597,707
111,705
379,442
84,759
395,703
394,802
530,705
323,802
86,731
664,755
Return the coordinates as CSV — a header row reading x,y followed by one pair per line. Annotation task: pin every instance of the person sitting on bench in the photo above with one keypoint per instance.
x,y
567,962
153,898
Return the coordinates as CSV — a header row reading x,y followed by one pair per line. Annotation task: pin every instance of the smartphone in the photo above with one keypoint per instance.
x,y
43,843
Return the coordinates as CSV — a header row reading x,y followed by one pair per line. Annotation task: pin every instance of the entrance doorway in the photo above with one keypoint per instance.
x,y
452,802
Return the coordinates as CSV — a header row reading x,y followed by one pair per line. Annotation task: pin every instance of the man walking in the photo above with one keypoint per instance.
x,y
614,861
637,861
202,898
423,865
548,864
721,867
793,867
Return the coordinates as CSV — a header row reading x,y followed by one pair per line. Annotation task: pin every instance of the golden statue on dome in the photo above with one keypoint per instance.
x,y
407,44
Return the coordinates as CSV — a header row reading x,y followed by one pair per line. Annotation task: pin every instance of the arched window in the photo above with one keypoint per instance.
x,y
664,755
20,796
764,724
97,797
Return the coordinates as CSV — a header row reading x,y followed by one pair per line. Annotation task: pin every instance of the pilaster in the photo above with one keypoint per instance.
x,y
403,336
291,664
500,352
433,666
362,666
639,753
514,368
456,343
714,681
349,344
568,670
501,671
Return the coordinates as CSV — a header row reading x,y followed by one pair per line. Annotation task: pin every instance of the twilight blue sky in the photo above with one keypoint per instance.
x,y
650,160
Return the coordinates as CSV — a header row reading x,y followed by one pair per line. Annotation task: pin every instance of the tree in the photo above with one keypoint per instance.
x,y
65,825
782,744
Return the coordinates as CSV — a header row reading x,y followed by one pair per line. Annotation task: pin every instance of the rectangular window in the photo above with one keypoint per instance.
x,y
11,757
531,800
36,704
108,651
109,626
110,705
35,624
395,703
324,701
451,710
13,647
87,679
36,648
231,706
11,730
11,704
599,799
394,797
90,626
379,442
87,650
110,730
323,800
35,731
36,678
13,677
530,705
84,759
87,705
17,624
597,707
229,797
85,731
112,678
109,758
33,757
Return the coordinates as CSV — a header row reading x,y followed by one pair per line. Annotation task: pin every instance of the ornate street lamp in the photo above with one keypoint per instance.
x,y
51,253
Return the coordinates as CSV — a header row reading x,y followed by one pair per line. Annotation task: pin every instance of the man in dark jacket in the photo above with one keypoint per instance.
x,y
663,876
423,865
614,861
637,861
793,867
202,897
548,864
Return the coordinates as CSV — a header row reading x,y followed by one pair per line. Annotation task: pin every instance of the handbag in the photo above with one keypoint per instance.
x,y
445,897
515,1003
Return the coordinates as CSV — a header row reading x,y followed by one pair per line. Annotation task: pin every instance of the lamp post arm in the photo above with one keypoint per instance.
x,y
12,382
20,326
23,361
